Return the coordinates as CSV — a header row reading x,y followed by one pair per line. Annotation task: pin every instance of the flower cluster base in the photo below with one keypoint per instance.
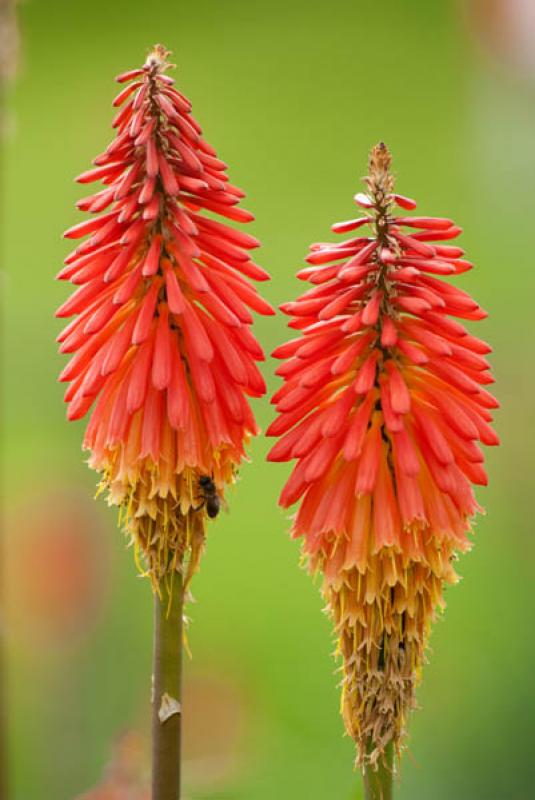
x,y
382,618
166,529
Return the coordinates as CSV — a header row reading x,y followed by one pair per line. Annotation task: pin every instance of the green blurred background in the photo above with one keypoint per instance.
x,y
292,94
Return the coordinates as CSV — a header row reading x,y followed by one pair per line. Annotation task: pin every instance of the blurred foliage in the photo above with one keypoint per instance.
x,y
292,94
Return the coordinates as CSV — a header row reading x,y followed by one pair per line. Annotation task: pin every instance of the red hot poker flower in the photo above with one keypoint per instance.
x,y
382,406
161,336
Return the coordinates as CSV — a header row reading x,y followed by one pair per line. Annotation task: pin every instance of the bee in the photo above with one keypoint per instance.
x,y
210,497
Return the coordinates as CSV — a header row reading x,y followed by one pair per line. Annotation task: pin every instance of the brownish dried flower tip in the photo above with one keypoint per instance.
x,y
380,182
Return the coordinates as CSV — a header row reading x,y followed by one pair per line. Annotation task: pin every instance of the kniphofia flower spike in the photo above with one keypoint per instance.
x,y
382,407
161,336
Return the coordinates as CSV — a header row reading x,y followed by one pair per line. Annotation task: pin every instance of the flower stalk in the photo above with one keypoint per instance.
x,y
378,782
167,689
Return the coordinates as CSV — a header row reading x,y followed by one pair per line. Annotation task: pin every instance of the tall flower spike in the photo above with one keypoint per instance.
x,y
161,338
382,407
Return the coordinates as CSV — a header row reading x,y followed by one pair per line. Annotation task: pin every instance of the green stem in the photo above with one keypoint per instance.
x,y
167,695
378,782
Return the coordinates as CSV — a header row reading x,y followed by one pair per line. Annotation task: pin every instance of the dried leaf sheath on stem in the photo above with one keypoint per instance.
x,y
382,407
161,342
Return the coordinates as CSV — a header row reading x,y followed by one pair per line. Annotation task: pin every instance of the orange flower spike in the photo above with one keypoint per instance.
x,y
161,342
382,407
